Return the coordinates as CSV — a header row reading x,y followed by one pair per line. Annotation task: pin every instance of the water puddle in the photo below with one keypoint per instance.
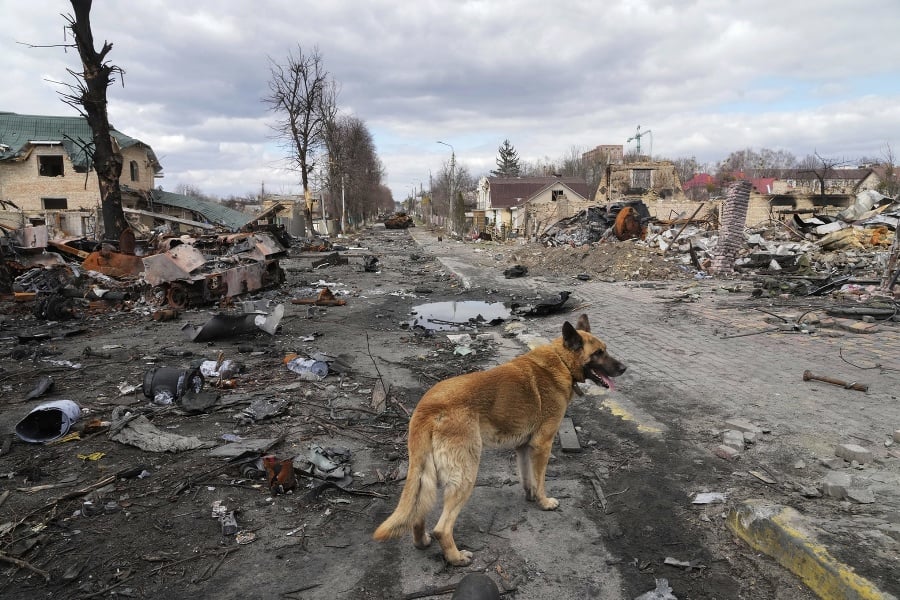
x,y
456,316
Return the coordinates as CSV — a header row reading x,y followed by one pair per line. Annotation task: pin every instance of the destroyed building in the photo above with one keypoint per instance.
x,y
46,172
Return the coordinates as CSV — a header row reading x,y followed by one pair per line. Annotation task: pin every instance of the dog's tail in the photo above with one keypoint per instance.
x,y
420,491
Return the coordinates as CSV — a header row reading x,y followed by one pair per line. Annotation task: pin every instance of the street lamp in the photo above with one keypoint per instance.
x,y
452,181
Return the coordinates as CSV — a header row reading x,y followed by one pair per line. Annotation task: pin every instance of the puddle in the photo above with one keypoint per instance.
x,y
454,316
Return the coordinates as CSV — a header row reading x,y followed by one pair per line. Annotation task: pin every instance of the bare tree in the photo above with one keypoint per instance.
x,y
302,96
354,170
88,96
890,179
821,168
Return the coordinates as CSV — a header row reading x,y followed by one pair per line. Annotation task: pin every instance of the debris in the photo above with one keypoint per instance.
x,y
543,306
836,484
223,325
279,474
199,401
370,263
308,369
850,385
325,298
476,586
515,271
662,592
733,439
326,463
245,446
48,421
861,496
263,408
140,432
165,385
229,523
726,452
44,385
709,498
568,438
674,562
379,396
245,537
595,482
763,477
851,452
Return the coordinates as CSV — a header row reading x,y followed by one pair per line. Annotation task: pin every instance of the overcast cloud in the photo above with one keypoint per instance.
x,y
707,77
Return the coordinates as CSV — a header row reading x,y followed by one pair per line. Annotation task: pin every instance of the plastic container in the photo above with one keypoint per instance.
x,y
308,369
48,421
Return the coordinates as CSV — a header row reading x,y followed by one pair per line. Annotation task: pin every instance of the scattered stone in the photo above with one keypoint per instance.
x,y
733,439
897,435
743,425
800,464
810,492
750,437
726,452
836,485
852,452
833,463
857,326
861,496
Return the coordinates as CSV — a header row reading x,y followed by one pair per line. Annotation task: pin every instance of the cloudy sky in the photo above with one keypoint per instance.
x,y
705,77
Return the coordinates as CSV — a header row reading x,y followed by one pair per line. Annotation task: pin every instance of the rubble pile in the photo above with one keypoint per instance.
x,y
177,272
856,246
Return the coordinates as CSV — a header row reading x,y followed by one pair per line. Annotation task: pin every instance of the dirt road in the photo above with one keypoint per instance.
x,y
625,497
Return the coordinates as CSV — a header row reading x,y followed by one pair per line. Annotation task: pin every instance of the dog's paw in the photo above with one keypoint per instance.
x,y
549,503
464,559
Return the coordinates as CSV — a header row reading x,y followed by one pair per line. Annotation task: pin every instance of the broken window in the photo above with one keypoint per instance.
x,y
50,165
640,179
55,203
558,195
135,171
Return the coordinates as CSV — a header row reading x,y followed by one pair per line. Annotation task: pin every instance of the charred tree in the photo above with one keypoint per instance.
x,y
88,96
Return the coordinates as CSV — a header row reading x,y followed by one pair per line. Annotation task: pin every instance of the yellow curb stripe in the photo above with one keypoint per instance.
x,y
778,532
619,411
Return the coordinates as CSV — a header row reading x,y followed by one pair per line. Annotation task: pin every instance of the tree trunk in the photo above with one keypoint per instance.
x,y
107,161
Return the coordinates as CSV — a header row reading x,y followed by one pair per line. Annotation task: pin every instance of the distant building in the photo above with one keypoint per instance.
x,y
604,155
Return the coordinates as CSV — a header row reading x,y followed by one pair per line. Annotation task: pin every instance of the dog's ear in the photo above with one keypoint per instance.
x,y
571,340
583,324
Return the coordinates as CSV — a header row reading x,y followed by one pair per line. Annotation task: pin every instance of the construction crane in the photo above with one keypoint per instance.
x,y
637,137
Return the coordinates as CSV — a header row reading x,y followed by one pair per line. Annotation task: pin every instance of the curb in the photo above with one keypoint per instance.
x,y
781,532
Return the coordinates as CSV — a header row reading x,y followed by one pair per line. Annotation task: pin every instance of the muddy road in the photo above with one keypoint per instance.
x,y
94,517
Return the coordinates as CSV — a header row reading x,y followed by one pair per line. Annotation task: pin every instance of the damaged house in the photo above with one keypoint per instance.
x,y
46,176
525,206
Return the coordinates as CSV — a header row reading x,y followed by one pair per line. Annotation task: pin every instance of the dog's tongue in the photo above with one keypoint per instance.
x,y
608,382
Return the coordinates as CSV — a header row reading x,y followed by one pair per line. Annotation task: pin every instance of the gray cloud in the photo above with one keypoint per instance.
x,y
707,77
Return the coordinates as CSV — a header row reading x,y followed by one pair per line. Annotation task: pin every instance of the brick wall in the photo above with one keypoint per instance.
x,y
20,182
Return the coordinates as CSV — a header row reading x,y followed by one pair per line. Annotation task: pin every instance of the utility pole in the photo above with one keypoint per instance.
x,y
452,227
343,208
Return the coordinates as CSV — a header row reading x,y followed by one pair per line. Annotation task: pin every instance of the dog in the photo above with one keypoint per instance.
x,y
518,404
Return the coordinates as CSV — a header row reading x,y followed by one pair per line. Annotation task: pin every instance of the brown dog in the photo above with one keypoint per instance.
x,y
519,404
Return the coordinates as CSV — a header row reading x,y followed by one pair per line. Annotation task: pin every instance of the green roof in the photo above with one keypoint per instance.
x,y
18,131
215,213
